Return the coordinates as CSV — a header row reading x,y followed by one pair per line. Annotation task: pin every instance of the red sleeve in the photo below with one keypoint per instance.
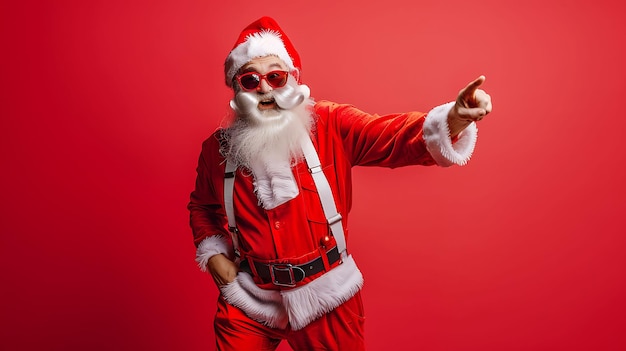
x,y
207,216
392,140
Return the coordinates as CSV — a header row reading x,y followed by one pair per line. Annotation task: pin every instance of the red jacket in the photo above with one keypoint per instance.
x,y
344,137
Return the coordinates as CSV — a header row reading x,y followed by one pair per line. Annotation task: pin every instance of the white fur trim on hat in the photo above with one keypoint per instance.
x,y
439,143
259,44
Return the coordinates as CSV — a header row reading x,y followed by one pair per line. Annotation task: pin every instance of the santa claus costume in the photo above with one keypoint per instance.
x,y
284,219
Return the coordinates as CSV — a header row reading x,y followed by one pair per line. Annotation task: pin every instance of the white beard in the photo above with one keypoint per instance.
x,y
268,142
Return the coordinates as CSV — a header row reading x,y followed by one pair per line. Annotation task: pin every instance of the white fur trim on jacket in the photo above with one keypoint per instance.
x,y
438,142
259,44
309,302
299,306
210,247
264,306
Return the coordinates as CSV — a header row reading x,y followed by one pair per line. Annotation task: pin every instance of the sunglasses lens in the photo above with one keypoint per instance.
x,y
277,78
250,81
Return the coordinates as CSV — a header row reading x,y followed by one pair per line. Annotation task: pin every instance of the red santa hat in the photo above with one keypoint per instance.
x,y
262,37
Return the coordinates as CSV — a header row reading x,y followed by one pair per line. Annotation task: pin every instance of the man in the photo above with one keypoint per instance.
x,y
273,192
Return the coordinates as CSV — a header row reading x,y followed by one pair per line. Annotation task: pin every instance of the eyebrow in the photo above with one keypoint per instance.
x,y
252,69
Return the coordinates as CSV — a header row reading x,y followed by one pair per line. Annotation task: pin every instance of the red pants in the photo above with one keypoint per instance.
x,y
340,329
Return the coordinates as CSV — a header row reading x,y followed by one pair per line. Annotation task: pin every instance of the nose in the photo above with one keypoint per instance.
x,y
264,87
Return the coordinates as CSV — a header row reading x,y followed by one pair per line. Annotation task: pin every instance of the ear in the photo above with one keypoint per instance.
x,y
296,74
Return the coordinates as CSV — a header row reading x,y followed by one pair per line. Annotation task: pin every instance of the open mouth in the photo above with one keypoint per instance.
x,y
267,103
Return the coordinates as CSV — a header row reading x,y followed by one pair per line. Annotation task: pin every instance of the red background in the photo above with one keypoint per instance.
x,y
104,105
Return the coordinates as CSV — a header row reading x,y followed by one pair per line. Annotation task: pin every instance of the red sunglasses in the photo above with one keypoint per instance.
x,y
251,80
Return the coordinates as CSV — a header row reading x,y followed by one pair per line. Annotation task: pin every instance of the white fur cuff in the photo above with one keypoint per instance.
x,y
210,247
438,142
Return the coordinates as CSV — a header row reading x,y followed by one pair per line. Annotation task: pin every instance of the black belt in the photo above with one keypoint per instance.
x,y
285,274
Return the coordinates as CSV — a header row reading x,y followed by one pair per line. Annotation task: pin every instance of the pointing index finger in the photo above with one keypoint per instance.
x,y
471,87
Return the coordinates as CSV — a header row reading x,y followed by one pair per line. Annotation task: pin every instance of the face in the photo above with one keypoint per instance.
x,y
263,65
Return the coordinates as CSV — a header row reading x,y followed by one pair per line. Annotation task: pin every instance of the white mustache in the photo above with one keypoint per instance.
x,y
286,98
290,96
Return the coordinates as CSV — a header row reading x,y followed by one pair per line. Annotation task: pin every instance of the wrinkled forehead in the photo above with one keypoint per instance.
x,y
264,64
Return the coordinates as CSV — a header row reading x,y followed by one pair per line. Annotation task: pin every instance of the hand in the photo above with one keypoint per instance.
x,y
472,105
222,269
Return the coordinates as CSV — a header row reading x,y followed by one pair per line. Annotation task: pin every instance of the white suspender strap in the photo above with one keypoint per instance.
x,y
229,187
325,193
